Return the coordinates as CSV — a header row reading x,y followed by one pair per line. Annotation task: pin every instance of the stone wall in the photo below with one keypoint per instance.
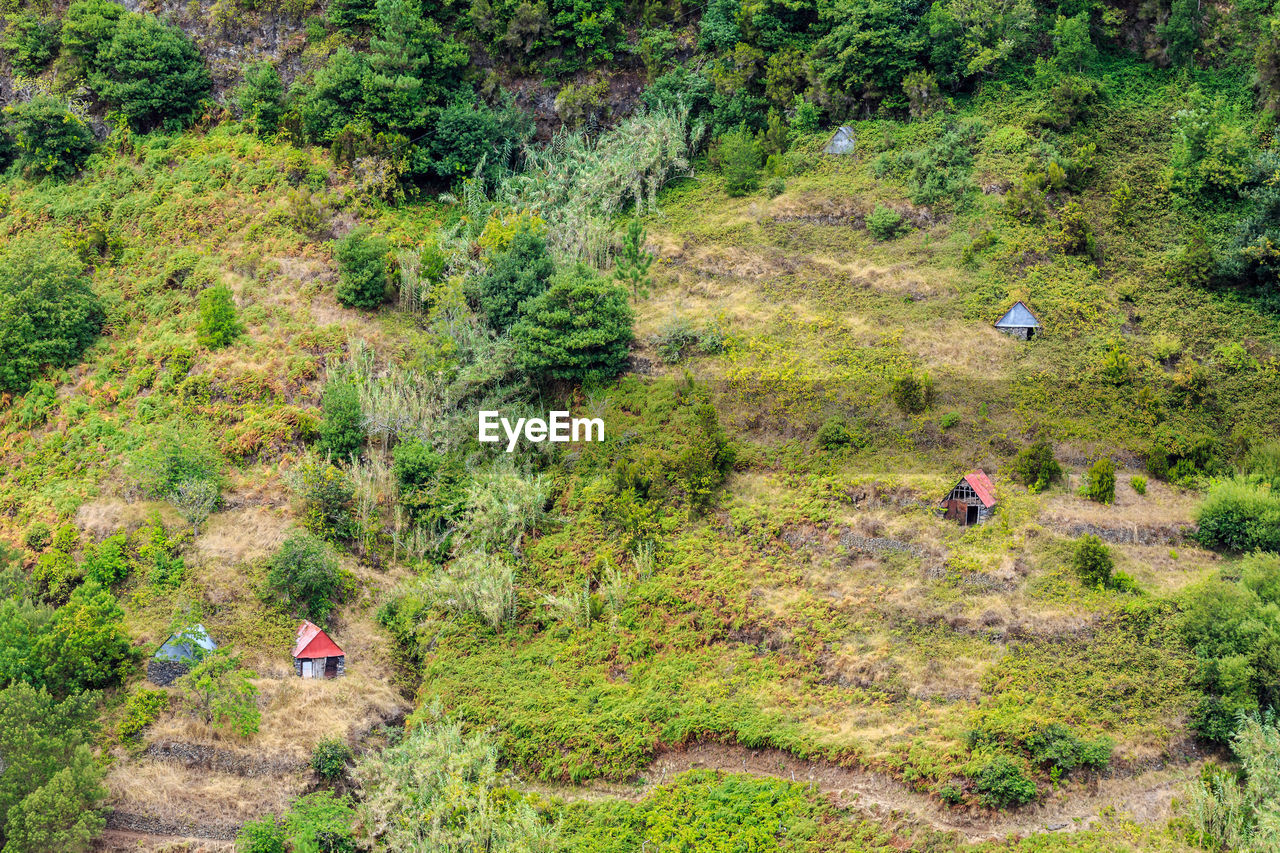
x,y
165,672
154,825
222,760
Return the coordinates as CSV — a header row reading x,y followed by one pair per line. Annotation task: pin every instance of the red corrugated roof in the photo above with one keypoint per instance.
x,y
982,487
314,643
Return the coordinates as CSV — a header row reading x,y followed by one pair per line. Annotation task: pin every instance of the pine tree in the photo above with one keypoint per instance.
x,y
634,262
219,325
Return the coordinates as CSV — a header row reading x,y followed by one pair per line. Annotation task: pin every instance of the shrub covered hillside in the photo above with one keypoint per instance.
x,y
847,569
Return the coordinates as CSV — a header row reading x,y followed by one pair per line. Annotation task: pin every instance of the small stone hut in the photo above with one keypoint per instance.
x,y
178,654
1019,322
315,655
971,501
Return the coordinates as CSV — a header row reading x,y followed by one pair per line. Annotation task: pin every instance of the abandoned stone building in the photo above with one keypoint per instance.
x,y
178,654
1019,322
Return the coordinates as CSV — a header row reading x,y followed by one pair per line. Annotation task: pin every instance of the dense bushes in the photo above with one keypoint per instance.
x,y
1036,468
1240,516
304,575
149,70
219,325
1100,481
48,313
342,430
578,330
49,139
363,269
1234,629
514,278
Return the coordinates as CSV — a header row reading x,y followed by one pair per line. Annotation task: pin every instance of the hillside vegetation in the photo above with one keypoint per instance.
x,y
263,265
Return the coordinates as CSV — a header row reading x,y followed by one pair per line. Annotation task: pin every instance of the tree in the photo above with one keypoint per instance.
x,y
342,425
412,65
1100,481
218,692
362,269
1181,32
871,47
178,452
579,330
305,576
739,157
31,43
514,278
1036,468
219,325
39,736
88,28
48,313
1073,48
261,97
432,486
634,261
62,814
152,73
86,646
1093,562
334,98
196,500
22,623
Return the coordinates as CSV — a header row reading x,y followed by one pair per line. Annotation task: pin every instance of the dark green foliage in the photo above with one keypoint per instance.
x,y
1212,149
334,98
86,646
342,430
412,65
88,28
265,835
363,268
514,278
49,784
219,325
350,15
870,48
1194,264
1036,468
48,313
912,393
31,43
304,575
261,97
738,154
634,260
1234,630
330,759
106,561
1240,516
322,822
151,72
835,433
468,132
432,486
38,536
1002,783
1100,481
579,330
1181,31
940,171
1093,562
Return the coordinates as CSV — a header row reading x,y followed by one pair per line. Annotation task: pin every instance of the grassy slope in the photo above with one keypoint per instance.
x,y
757,626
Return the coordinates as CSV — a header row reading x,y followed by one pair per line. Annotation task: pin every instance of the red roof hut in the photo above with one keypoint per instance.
x,y
315,655
972,499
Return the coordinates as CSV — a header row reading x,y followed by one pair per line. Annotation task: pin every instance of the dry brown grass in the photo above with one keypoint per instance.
x,y
179,793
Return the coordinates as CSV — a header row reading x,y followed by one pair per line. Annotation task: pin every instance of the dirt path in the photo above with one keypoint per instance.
x,y
1146,797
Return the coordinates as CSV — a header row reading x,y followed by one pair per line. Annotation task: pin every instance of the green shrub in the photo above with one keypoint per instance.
x,y
515,278
885,223
31,43
342,432
151,72
330,758
219,325
579,330
326,497
362,269
678,338
432,486
738,154
177,453
1239,516
142,709
48,313
87,29
1093,562
304,575
949,420
835,434
321,822
1194,264
106,562
38,536
1036,468
1100,481
265,835
261,97
1002,783
1139,484
912,393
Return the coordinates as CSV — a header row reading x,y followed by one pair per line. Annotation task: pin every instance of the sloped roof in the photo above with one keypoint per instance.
x,y
183,646
982,486
843,142
1018,317
314,643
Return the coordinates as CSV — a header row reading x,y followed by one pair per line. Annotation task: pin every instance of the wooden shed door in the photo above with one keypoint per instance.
x,y
330,667
306,669
971,516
